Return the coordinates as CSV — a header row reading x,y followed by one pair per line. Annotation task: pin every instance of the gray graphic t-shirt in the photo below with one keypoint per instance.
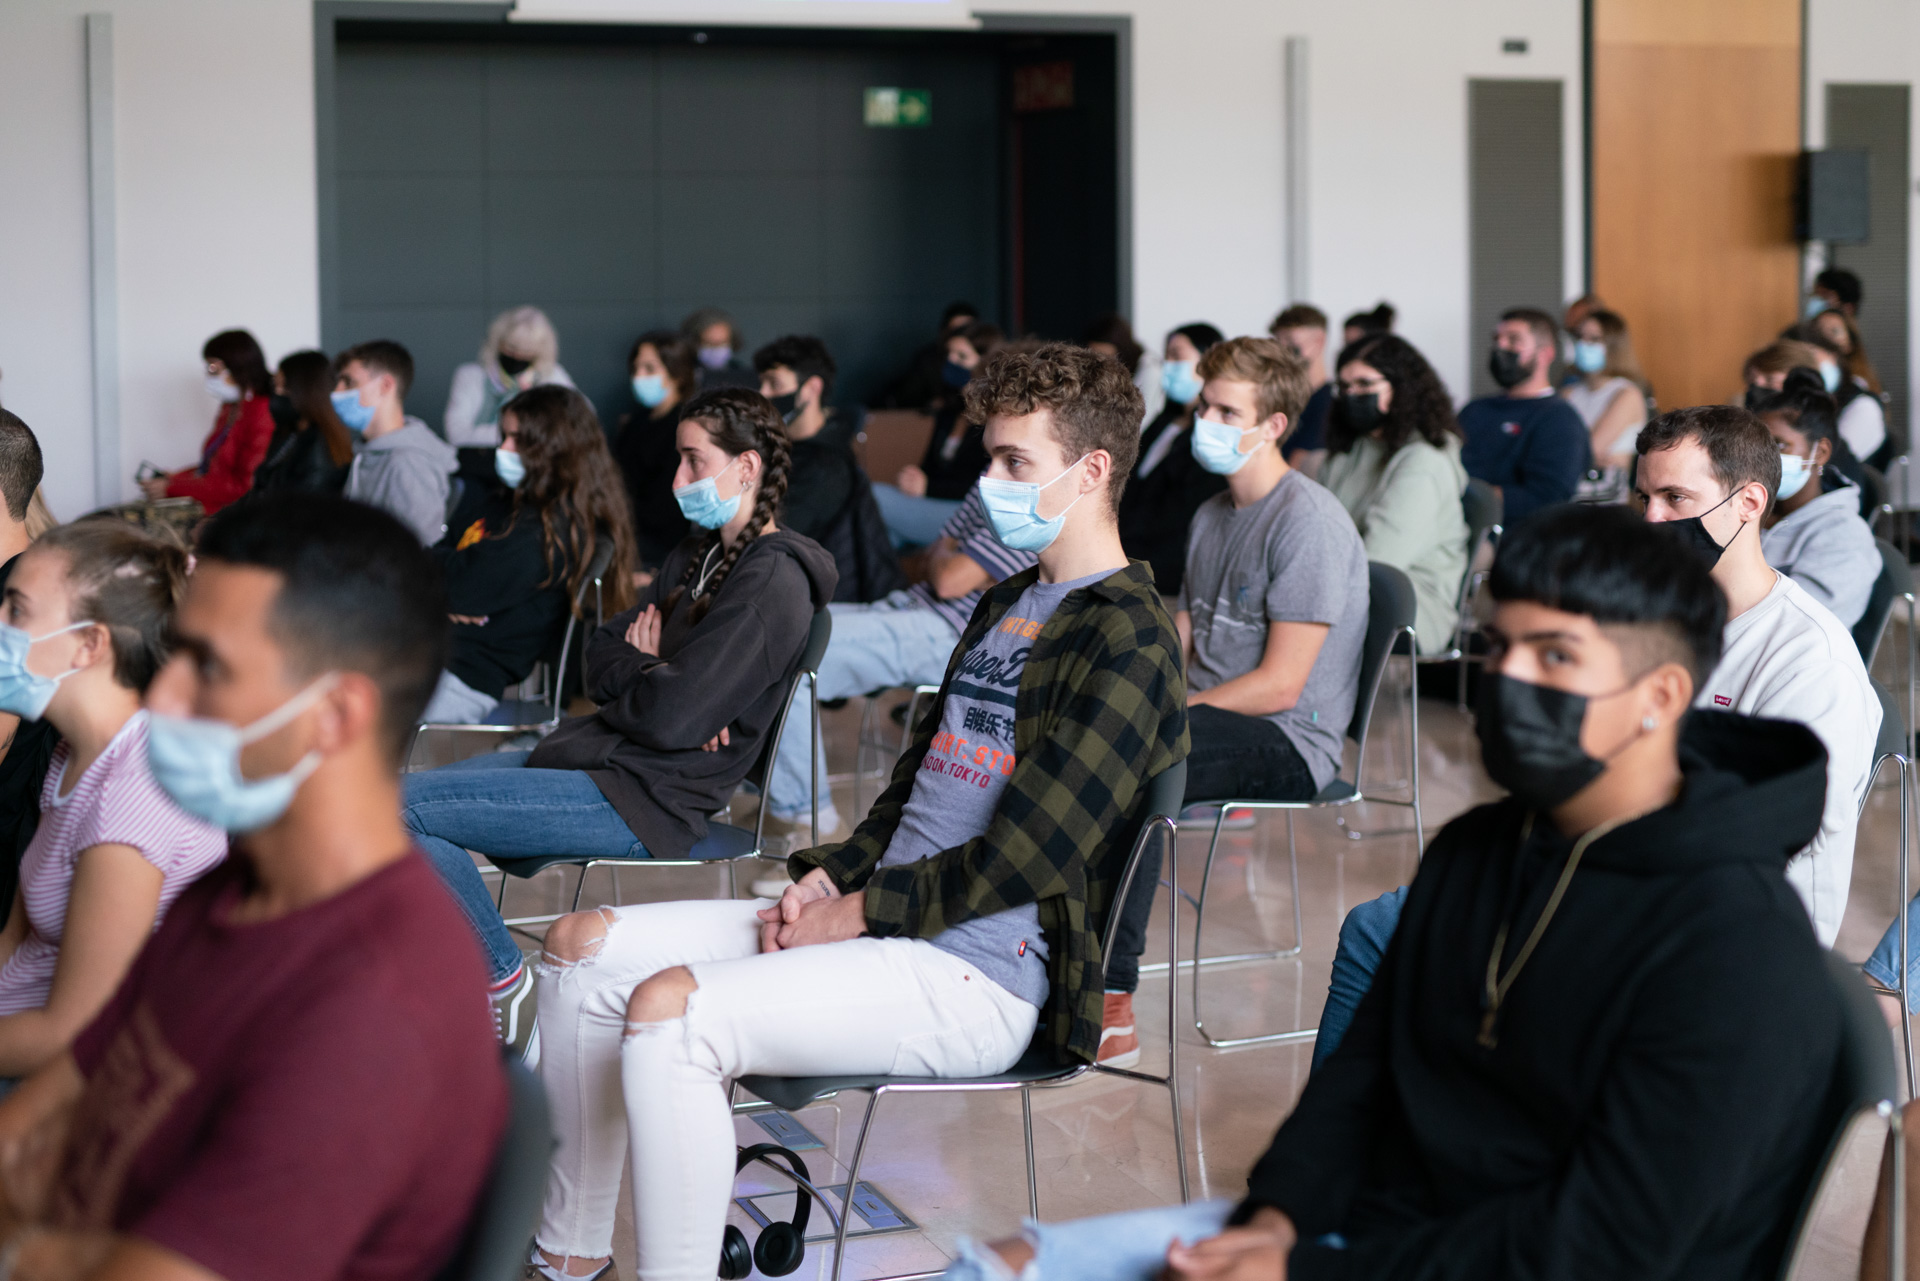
x,y
961,778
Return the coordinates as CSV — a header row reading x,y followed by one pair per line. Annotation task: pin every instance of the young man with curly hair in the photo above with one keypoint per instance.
x,y
964,905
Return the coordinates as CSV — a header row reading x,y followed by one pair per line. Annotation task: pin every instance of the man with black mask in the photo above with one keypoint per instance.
x,y
1603,1038
1527,442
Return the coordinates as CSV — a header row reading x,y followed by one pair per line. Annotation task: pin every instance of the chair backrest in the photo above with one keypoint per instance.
x,y
1894,583
1863,1077
596,571
1483,507
1390,615
494,1247
819,632
1165,793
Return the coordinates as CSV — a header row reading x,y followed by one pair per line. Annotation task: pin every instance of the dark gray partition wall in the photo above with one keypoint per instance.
x,y
1517,201
1875,118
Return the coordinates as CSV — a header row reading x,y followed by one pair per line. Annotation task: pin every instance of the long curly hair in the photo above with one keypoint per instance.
x,y
1421,406
738,421
573,487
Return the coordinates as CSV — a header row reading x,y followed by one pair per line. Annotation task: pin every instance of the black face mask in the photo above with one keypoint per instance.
x,y
1757,396
787,406
281,407
1360,412
513,366
1692,534
1506,367
1530,741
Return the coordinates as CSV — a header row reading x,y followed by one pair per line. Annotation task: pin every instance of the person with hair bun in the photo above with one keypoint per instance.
x,y
688,682
85,626
1814,534
238,378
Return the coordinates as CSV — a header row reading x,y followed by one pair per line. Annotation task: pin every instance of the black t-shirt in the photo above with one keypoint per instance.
x,y
647,454
22,772
1311,433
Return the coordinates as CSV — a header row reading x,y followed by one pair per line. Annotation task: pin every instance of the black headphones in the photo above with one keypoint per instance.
x,y
781,1246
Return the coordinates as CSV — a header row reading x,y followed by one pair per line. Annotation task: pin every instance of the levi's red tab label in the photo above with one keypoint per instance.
x,y
1721,700
1023,948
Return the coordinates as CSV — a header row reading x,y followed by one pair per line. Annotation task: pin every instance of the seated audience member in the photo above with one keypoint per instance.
x,y
85,626
26,747
923,499
688,683
1168,483
521,351
1394,464
664,378
1863,416
1765,373
403,467
1837,288
1814,534
1526,442
517,550
238,378
1565,1066
1609,393
921,384
267,1093
1303,327
1577,311
717,345
905,639
1111,335
1362,323
965,904
1271,617
311,448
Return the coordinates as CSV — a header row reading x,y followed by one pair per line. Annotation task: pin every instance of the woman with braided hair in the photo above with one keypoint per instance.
x,y
688,683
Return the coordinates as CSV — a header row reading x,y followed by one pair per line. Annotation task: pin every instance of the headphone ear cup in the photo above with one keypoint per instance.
x,y
736,1256
779,1249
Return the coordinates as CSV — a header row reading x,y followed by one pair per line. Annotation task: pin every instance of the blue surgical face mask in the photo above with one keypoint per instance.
x,y
650,390
1814,305
510,467
1589,357
1180,379
355,415
1794,471
24,693
197,763
1013,509
1830,377
701,503
1216,446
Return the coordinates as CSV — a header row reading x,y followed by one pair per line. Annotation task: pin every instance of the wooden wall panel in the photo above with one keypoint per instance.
x,y
1696,131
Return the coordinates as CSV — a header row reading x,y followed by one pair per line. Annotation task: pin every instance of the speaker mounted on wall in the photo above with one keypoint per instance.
x,y
1833,196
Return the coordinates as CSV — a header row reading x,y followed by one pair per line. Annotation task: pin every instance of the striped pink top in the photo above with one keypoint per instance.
x,y
116,802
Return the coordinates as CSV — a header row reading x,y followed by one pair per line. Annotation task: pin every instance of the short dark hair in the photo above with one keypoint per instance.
x,y
21,466
804,354
357,592
1203,336
1546,330
382,356
1622,572
675,352
1805,405
240,353
1301,315
1842,284
1111,328
1737,443
1091,398
955,308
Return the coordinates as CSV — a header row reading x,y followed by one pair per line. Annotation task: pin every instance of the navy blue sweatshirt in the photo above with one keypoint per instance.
x,y
1534,449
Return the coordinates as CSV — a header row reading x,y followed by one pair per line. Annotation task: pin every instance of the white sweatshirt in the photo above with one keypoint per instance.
x,y
1788,658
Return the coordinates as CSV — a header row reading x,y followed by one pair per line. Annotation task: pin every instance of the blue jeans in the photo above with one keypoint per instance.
x,y
1883,967
1364,936
1114,1247
896,641
495,805
913,522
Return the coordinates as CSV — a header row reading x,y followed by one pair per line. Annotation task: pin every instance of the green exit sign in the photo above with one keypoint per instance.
x,y
899,108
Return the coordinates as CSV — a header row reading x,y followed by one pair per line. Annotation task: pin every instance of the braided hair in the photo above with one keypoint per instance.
x,y
738,421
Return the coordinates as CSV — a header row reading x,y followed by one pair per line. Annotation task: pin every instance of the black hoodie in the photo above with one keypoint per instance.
x,y
1658,1096
729,671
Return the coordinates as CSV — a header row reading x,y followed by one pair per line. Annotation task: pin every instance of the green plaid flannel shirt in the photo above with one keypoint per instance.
x,y
1102,707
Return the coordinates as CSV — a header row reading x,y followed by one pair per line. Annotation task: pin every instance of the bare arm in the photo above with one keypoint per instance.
x,y
110,912
1276,684
1183,623
952,573
1627,407
16,932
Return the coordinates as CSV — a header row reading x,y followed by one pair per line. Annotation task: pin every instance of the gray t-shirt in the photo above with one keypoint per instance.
x,y
1292,557
961,778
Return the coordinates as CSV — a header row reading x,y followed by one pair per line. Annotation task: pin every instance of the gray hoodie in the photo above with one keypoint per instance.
x,y
1828,550
405,473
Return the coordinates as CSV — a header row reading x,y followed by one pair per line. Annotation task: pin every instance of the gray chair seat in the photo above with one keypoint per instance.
x,y
722,841
791,1093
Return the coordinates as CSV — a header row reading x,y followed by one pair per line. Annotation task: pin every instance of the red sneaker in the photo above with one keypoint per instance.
x,y
1119,1047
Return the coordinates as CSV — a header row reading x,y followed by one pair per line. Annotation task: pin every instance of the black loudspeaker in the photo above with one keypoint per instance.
x,y
781,1246
1833,196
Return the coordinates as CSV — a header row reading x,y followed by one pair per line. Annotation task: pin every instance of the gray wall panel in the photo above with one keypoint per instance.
x,y
1516,200
570,237
1877,117
411,239
410,110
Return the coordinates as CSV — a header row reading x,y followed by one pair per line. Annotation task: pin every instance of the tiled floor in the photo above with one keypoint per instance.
x,y
953,1163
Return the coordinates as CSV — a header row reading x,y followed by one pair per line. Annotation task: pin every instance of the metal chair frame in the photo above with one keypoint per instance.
x,y
1335,796
1035,1068
1479,537
820,630
869,740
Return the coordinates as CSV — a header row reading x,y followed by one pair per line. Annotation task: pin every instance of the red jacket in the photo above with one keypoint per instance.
x,y
236,445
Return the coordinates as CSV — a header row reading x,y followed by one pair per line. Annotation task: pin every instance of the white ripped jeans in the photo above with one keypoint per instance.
x,y
865,1005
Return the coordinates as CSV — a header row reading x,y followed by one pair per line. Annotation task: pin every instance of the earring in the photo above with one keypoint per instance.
x,y
1649,724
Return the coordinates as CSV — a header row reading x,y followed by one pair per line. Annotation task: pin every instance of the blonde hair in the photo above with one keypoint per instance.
x,y
1276,371
40,517
528,331
1782,354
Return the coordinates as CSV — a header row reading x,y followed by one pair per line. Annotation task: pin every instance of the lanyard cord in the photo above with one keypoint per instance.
x,y
1497,985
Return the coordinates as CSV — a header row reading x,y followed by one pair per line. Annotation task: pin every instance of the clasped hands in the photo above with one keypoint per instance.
x,y
812,910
